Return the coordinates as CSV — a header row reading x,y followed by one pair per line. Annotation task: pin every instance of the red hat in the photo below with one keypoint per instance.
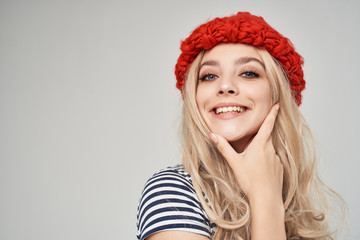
x,y
242,28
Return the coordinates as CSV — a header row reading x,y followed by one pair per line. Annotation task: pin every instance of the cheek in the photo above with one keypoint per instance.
x,y
261,94
264,102
201,97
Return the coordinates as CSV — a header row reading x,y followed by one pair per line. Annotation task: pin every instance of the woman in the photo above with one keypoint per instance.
x,y
249,164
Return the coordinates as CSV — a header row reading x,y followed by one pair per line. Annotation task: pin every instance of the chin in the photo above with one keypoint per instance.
x,y
231,135
235,136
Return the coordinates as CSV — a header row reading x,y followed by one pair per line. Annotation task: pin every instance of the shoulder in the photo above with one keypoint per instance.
x,y
169,202
170,176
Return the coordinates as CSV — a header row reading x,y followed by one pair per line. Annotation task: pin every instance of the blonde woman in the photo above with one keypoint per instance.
x,y
249,164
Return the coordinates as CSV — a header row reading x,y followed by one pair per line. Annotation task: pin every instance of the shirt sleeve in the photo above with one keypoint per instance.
x,y
169,202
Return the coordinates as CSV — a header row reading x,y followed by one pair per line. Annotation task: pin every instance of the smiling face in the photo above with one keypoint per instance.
x,y
233,93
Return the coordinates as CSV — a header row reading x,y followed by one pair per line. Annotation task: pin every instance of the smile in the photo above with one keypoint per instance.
x,y
221,110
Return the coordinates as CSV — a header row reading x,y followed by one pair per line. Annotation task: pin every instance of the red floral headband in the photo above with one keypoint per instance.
x,y
242,28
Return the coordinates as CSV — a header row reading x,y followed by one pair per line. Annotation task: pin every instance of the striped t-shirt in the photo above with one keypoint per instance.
x,y
169,202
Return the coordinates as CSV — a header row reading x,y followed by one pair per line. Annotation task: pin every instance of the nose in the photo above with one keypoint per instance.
x,y
227,87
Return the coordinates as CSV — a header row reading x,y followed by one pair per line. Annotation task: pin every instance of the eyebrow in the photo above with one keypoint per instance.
x,y
239,61
243,60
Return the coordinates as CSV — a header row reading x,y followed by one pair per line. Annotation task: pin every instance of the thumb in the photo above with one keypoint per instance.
x,y
224,147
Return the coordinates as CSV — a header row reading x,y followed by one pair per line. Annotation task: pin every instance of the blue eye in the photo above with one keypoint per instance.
x,y
208,77
250,74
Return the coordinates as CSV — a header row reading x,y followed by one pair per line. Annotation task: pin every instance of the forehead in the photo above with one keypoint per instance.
x,y
231,51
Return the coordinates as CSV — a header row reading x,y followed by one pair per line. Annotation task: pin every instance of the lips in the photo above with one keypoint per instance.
x,y
226,108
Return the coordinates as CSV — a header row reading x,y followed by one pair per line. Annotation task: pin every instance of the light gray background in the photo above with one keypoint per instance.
x,y
89,109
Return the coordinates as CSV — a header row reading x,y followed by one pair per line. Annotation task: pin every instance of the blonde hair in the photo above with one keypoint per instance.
x,y
304,195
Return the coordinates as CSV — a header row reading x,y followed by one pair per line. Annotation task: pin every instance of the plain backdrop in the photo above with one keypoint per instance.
x,y
89,109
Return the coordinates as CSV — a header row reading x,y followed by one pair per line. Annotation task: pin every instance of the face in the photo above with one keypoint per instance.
x,y
233,93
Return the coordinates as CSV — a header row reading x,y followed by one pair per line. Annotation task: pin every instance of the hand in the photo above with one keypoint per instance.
x,y
258,169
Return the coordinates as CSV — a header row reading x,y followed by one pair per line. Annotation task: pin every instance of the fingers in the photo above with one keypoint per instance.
x,y
267,126
224,147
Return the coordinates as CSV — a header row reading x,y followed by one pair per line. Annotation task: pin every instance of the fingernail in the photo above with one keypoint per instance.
x,y
213,137
277,106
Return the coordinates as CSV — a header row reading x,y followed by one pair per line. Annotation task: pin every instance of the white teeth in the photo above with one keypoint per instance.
x,y
229,109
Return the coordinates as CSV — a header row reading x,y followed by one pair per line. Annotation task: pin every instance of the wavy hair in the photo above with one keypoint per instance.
x,y
304,194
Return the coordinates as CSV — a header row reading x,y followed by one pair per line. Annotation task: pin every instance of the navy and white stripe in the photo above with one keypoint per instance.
x,y
169,202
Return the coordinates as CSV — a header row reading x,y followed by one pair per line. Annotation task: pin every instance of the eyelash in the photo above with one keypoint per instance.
x,y
204,76
253,74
